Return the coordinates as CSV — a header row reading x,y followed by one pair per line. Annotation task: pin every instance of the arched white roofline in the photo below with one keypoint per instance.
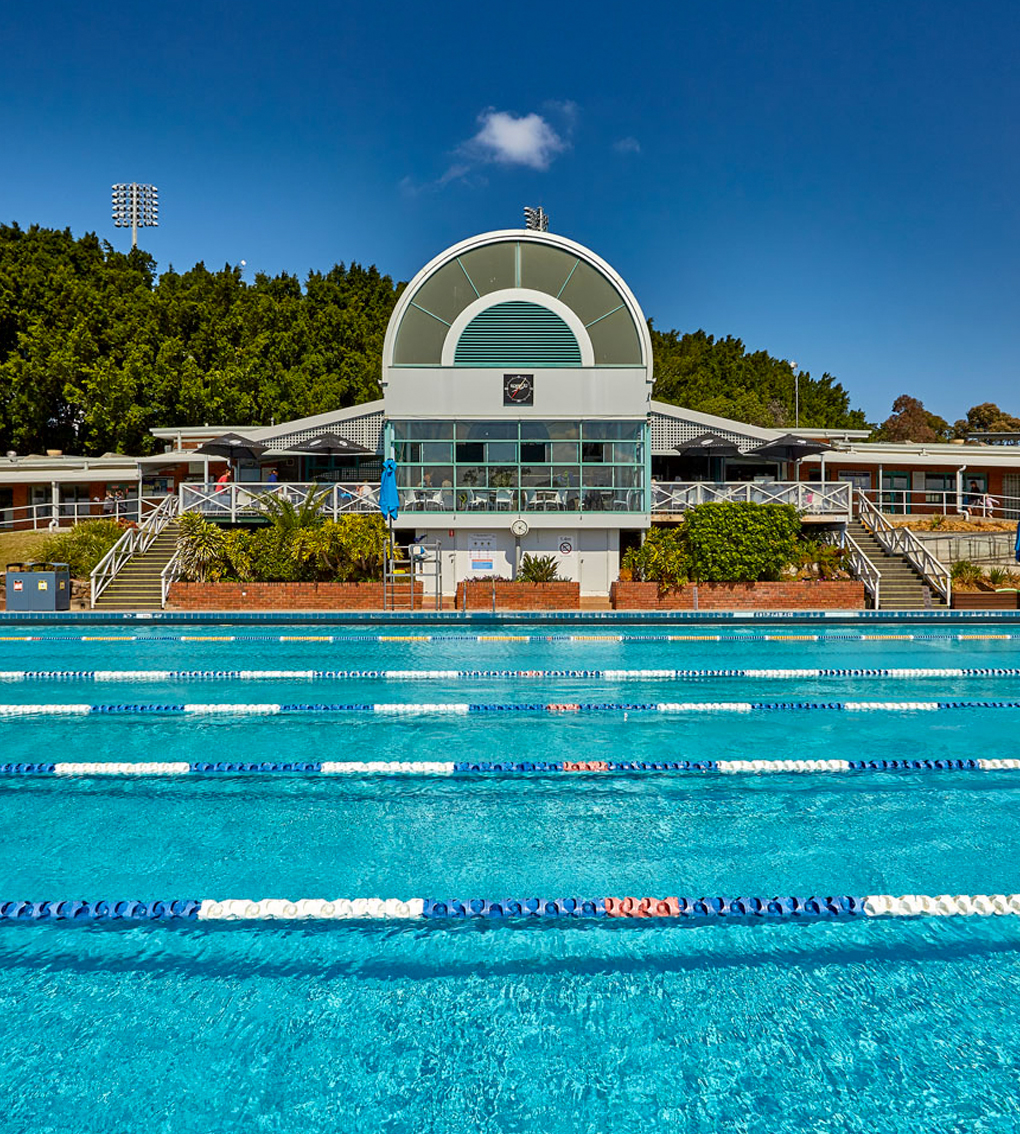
x,y
484,302
524,236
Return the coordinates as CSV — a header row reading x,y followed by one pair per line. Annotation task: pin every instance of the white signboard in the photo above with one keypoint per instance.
x,y
482,552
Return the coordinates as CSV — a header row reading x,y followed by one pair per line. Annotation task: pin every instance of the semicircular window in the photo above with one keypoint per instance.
x,y
517,333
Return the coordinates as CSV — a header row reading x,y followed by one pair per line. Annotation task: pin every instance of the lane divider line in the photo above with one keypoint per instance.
x,y
702,911
463,767
128,675
461,708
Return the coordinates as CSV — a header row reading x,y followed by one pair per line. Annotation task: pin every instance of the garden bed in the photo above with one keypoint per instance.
x,y
840,594
483,594
986,600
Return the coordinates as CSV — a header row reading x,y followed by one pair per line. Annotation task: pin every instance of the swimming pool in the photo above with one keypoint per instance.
x,y
590,1024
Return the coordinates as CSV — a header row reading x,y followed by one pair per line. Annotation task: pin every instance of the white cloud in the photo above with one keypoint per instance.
x,y
507,140
627,146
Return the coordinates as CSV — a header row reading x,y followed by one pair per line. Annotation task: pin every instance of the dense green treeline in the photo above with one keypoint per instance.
x,y
96,349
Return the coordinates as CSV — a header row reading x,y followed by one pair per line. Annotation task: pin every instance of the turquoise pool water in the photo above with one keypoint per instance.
x,y
603,1026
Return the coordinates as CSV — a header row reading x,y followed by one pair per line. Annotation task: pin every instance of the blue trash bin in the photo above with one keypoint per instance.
x,y
38,587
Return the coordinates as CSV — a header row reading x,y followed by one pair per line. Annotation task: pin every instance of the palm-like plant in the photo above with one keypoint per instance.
x,y
200,547
288,517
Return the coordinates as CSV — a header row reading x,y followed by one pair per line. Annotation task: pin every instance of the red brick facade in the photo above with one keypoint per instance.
x,y
282,596
837,595
518,596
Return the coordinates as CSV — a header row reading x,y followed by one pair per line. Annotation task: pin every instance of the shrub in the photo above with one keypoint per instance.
x,y
348,550
288,517
200,547
82,546
539,569
964,573
662,558
817,560
999,577
740,543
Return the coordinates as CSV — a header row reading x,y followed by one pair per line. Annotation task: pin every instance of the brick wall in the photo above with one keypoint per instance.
x,y
840,594
282,596
519,596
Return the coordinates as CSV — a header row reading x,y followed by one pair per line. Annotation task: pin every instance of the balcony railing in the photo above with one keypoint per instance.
x,y
977,504
67,513
812,499
232,502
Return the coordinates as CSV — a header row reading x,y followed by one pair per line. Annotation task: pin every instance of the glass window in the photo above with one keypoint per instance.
x,y
627,452
564,451
534,452
486,430
437,476
545,268
535,477
502,451
472,476
446,293
470,452
613,430
503,476
590,294
565,476
553,430
433,451
596,476
423,430
419,339
596,452
407,451
627,476
615,341
491,267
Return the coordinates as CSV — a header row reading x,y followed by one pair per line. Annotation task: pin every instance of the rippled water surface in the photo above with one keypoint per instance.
x,y
595,1027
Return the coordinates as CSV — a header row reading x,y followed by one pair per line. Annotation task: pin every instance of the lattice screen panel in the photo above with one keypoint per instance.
x,y
363,430
669,431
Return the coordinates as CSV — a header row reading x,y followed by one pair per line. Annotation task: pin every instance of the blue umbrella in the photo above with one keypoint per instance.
x,y
389,500
1018,543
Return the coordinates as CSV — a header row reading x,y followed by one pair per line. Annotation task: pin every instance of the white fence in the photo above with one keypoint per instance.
x,y
812,499
247,501
908,502
44,517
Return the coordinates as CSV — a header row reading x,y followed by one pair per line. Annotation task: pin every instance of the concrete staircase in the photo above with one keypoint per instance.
x,y
902,586
137,585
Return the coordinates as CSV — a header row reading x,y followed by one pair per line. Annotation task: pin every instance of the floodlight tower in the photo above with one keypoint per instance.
x,y
135,206
536,219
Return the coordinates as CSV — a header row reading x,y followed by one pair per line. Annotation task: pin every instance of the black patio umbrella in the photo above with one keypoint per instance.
x,y
232,446
790,447
331,445
708,445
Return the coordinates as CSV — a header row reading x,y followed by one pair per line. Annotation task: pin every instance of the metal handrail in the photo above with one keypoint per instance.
x,y
170,573
902,541
858,563
926,502
23,517
245,500
806,496
133,542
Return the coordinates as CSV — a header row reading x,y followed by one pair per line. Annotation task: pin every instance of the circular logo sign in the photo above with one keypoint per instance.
x,y
518,389
566,546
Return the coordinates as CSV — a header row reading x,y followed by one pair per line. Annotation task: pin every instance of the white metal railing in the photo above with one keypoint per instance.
x,y
920,502
807,497
32,517
858,563
133,542
247,501
902,541
170,573
231,502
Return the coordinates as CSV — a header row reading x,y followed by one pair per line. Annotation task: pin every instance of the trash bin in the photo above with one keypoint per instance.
x,y
38,586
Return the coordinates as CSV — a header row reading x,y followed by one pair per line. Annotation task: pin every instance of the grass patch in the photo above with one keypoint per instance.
x,y
20,547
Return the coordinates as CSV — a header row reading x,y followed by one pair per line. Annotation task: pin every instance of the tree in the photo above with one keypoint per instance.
x,y
910,421
986,418
719,376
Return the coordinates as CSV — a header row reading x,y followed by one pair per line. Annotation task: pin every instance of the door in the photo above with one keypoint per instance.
x,y
895,491
1011,496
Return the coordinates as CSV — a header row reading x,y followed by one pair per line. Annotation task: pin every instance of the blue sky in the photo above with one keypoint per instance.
x,y
834,183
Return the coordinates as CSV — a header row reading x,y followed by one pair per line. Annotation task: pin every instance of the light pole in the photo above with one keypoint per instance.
x,y
536,219
796,393
135,206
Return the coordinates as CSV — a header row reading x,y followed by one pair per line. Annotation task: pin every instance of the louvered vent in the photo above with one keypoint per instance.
x,y
517,333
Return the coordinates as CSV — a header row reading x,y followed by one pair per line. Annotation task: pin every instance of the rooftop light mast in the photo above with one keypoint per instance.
x,y
135,206
536,219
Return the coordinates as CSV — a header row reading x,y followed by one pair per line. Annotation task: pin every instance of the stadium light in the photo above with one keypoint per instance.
x,y
536,219
135,206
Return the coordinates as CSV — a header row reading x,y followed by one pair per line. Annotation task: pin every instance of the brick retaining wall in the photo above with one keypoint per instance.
x,y
840,594
519,596
281,596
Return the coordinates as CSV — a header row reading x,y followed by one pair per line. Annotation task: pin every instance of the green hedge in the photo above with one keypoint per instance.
x,y
719,543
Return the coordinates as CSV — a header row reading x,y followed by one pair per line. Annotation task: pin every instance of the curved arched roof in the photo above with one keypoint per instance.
x,y
520,298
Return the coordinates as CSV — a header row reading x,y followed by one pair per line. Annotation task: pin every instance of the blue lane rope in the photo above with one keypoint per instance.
x,y
695,910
